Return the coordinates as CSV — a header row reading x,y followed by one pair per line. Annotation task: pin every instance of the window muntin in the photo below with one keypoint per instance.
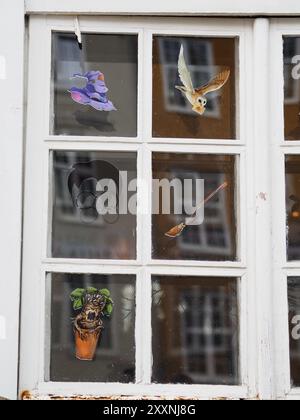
x,y
294,319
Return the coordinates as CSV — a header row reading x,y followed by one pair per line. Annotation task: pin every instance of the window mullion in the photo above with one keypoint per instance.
x,y
263,244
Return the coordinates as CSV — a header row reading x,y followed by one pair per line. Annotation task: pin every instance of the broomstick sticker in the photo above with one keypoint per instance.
x,y
177,230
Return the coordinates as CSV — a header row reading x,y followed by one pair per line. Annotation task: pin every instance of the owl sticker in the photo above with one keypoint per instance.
x,y
197,96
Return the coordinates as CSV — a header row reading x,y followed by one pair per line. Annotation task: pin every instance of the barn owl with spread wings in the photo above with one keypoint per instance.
x,y
197,96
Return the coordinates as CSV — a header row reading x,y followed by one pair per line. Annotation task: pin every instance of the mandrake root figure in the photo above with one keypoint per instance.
x,y
94,305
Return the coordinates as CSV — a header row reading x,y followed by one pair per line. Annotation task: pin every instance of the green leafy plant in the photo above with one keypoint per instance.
x,y
78,299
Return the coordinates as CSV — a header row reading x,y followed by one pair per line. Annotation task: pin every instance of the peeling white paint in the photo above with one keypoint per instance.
x,y
12,30
262,196
35,396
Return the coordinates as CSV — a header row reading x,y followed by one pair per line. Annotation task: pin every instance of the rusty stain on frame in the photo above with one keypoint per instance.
x,y
33,396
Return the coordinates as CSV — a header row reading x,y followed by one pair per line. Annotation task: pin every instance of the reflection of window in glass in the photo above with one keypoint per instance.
x,y
69,57
205,58
65,207
114,359
115,56
294,328
292,180
292,87
196,326
215,238
78,230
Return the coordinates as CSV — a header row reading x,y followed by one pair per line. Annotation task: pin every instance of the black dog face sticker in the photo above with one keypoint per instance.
x,y
82,186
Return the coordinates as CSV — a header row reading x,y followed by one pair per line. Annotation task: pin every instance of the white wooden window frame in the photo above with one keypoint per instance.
x,y
11,118
227,8
37,264
264,124
279,148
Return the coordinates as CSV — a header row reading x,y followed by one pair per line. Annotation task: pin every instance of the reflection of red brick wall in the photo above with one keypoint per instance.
x,y
170,124
292,121
293,218
173,359
164,165
294,350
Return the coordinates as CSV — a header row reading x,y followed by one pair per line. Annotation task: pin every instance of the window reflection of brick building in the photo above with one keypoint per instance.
x,y
206,57
291,89
75,234
195,330
195,321
294,310
215,239
116,57
293,206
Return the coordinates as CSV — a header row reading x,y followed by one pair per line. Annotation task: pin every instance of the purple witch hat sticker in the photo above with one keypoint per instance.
x,y
94,93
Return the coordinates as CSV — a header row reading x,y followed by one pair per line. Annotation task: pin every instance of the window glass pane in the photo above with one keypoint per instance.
x,y
292,88
79,228
294,328
215,238
195,330
108,62
211,111
84,348
292,179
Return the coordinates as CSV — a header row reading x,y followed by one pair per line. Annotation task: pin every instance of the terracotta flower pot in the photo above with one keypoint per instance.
x,y
86,344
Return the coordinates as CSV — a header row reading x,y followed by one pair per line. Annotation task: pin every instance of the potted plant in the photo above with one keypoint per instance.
x,y
94,305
